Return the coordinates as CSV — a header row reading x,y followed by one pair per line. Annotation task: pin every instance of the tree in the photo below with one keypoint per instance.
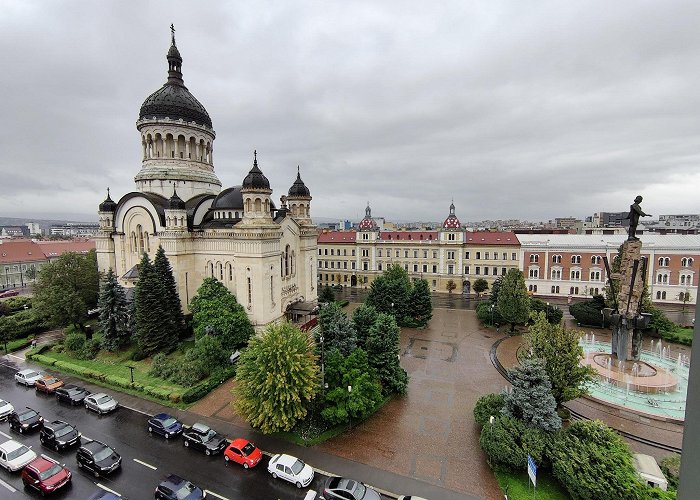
x,y
153,333
171,297
383,352
495,288
531,399
114,314
488,405
210,353
560,350
67,288
363,317
327,295
420,305
480,285
277,376
451,285
513,301
389,293
216,312
30,273
352,371
508,441
337,329
554,314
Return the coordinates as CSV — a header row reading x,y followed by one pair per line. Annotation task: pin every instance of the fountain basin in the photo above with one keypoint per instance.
x,y
637,376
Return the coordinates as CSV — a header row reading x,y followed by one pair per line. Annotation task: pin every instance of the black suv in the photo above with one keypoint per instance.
x,y
71,394
98,458
202,437
175,488
25,420
59,435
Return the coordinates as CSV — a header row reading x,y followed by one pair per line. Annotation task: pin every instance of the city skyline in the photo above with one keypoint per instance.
x,y
529,112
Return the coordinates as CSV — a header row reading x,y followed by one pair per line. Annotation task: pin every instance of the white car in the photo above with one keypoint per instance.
x,y
5,409
291,469
101,403
28,377
411,497
14,455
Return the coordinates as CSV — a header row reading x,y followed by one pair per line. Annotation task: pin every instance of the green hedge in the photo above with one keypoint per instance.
x,y
200,390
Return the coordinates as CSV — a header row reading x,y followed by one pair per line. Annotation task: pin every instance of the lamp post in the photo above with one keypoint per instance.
x,y
602,321
492,306
547,312
350,414
323,369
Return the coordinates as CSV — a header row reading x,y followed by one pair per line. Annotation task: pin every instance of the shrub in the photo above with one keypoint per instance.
x,y
592,461
484,313
588,312
58,348
553,314
40,358
90,349
671,467
487,406
14,304
138,355
74,342
21,324
507,443
162,367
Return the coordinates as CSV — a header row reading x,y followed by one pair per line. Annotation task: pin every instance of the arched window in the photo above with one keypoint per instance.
x,y
229,271
211,269
220,269
258,205
132,242
139,232
658,295
286,261
148,244
663,295
292,264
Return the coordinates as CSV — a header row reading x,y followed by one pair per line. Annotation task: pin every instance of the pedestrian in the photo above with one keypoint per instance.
x,y
33,343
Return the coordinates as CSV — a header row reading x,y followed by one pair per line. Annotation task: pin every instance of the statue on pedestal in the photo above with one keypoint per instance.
x,y
634,215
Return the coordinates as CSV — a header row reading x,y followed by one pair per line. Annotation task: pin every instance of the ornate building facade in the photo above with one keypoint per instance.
x,y
266,256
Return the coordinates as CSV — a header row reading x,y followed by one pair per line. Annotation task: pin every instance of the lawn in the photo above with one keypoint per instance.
x,y
518,486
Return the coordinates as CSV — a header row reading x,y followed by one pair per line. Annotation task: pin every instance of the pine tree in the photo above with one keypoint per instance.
x,y
114,314
383,351
389,293
327,295
420,304
363,317
513,301
171,299
152,327
531,400
337,329
277,377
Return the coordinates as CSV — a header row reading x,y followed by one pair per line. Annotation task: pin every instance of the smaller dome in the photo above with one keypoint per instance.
x,y
367,223
108,205
299,189
452,222
255,178
175,202
229,198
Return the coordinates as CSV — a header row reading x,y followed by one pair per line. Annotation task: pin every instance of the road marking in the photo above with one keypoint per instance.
x,y
209,492
108,490
136,410
9,487
145,464
16,357
6,435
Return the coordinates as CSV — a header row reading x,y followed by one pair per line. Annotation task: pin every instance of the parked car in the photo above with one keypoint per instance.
x,y
9,293
343,488
202,437
71,394
243,452
27,377
411,497
100,402
291,469
14,455
98,458
176,488
165,425
45,475
59,435
25,420
5,409
101,494
48,384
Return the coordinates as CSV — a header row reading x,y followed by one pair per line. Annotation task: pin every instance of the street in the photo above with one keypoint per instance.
x,y
146,459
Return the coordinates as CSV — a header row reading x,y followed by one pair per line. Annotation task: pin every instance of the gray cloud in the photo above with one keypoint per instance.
x,y
516,110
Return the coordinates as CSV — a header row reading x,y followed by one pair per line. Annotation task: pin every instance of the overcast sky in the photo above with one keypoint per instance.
x,y
529,110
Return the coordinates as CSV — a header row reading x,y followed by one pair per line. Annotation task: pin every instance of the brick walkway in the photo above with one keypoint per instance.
x,y
430,434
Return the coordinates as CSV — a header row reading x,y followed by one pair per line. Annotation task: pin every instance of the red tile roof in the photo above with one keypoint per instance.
x,y
408,235
337,237
54,248
492,238
20,251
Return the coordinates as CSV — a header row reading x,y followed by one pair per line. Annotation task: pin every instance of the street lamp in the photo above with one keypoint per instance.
x,y
492,307
323,369
350,414
602,321
131,368
547,312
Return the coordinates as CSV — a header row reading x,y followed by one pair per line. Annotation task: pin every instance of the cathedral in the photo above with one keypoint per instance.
x,y
263,254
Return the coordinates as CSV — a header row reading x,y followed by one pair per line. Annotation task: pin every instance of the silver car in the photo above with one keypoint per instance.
x,y
28,377
101,403
5,409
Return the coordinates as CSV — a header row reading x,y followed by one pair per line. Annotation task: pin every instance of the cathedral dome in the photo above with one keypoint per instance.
x,y
299,189
175,202
255,178
173,100
108,205
367,224
230,198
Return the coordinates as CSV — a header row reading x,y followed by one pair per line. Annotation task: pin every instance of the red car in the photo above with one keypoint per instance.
x,y
48,384
45,475
243,452
8,293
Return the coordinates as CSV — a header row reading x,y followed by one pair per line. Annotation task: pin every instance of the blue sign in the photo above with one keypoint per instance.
x,y
532,470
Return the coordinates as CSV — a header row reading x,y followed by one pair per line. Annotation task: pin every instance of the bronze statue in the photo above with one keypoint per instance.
x,y
633,216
